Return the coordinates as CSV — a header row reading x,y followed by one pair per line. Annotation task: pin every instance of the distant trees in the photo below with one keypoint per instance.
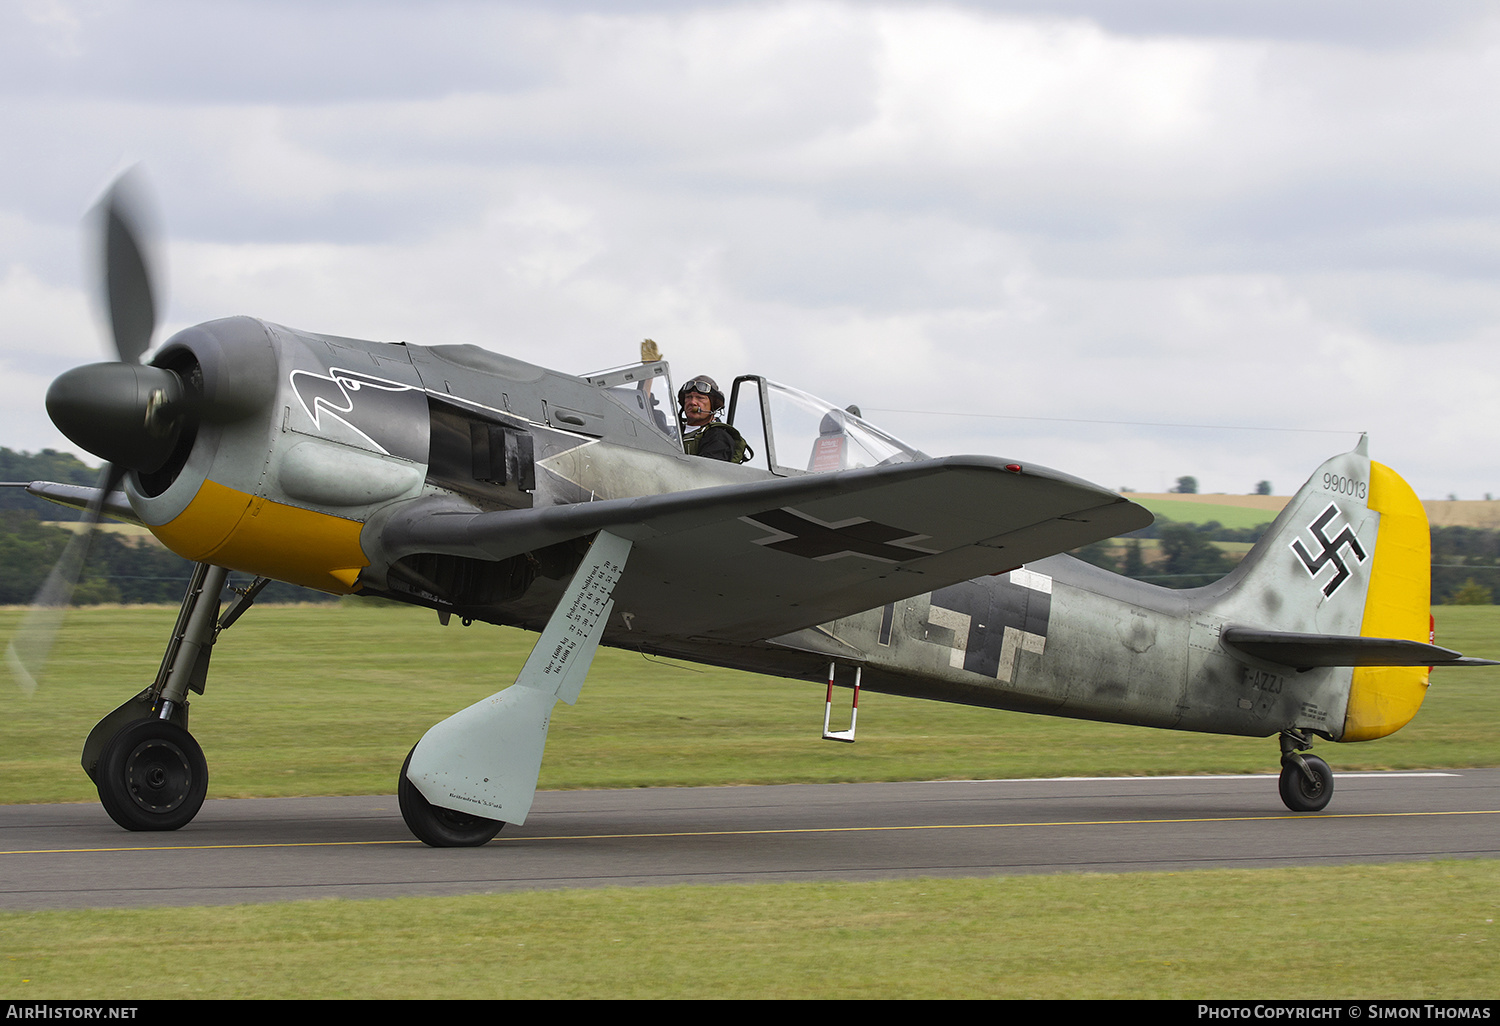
x,y
47,465
118,569
1465,560
1184,556
1099,554
1457,552
27,551
1472,594
1190,559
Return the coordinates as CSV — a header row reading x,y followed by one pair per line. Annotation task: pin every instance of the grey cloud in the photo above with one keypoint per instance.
x,y
237,51
1384,23
1179,216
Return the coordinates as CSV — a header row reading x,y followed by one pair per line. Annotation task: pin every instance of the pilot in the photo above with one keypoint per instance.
x,y
705,435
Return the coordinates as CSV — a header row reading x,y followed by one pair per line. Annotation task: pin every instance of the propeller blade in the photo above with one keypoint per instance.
x,y
29,648
128,413
128,289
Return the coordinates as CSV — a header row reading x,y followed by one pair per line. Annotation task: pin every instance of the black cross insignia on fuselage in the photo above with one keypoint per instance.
x,y
802,535
1330,553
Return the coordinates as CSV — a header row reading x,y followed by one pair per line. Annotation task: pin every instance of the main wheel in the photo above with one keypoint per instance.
x,y
437,827
1302,794
152,776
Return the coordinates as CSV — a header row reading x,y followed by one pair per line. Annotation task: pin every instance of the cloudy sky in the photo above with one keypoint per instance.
x,y
1132,241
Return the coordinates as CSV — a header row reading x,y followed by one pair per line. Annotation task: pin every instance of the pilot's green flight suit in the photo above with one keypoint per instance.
x,y
717,441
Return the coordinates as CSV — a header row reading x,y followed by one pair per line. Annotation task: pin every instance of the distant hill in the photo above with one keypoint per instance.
x,y
47,465
1253,510
1463,513
1236,511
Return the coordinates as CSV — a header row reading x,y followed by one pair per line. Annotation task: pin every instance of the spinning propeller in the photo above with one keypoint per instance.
x,y
129,414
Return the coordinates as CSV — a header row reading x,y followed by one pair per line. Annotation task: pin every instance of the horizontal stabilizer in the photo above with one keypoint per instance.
x,y
1306,651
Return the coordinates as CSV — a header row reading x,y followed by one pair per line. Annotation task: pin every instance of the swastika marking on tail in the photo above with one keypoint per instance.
x,y
1330,552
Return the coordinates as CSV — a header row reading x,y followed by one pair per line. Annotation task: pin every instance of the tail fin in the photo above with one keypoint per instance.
x,y
1349,556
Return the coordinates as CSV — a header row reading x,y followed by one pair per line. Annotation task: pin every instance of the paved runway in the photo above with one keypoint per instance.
x,y
251,850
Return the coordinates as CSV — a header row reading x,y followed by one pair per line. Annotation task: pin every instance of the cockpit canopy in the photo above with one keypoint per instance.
x,y
796,433
789,432
645,389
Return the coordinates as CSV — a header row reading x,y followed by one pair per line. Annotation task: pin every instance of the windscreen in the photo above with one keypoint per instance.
x,y
808,435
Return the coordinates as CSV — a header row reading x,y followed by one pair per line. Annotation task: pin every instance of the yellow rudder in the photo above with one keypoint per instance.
x,y
1383,699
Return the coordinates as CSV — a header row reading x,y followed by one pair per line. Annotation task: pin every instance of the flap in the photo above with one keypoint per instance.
x,y
750,561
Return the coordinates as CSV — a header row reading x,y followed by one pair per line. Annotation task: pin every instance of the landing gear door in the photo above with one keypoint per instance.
x,y
750,415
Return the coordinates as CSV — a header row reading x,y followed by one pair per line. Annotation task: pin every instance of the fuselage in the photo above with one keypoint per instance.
x,y
343,437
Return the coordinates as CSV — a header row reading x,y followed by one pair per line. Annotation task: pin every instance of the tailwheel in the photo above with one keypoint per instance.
x,y
1306,783
438,827
152,776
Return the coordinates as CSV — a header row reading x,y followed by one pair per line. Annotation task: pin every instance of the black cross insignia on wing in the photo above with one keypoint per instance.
x,y
1330,553
801,535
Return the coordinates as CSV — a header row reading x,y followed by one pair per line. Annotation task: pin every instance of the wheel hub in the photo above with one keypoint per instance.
x,y
158,775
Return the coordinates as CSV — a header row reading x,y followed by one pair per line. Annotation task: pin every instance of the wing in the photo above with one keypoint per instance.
x,y
79,497
751,561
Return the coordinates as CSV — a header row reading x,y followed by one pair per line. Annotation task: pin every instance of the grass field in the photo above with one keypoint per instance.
x,y
1252,510
1189,512
1420,930
327,700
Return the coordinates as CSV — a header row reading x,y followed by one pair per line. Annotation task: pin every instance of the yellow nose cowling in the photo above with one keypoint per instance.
x,y
254,535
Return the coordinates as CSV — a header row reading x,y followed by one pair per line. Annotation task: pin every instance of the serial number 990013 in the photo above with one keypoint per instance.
x,y
1345,485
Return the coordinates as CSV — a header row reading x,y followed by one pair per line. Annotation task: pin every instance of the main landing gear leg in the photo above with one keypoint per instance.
x,y
477,770
150,772
1306,780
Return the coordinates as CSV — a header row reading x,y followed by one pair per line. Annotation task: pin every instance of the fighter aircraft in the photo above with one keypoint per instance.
x,y
490,489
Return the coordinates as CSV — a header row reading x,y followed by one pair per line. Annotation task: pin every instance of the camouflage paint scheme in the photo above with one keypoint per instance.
x,y
357,433
1065,638
472,483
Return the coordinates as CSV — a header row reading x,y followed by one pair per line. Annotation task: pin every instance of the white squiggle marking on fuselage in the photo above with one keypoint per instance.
x,y
347,382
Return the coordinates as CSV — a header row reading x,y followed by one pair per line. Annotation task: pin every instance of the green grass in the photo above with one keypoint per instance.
x,y
1421,930
1236,517
328,700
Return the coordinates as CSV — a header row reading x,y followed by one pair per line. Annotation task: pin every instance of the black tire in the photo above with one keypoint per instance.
x,y
1301,794
436,827
152,776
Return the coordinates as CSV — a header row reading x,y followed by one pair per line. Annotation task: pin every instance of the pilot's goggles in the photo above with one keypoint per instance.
x,y
701,385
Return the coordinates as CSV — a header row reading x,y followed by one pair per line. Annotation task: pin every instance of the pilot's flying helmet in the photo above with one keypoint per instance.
x,y
707,386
